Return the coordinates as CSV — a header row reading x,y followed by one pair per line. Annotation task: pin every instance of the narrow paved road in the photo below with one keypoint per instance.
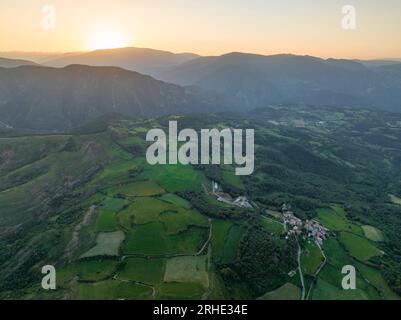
x,y
300,271
324,261
208,239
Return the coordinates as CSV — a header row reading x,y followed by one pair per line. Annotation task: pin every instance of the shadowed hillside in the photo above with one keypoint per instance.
x,y
43,98
143,60
255,80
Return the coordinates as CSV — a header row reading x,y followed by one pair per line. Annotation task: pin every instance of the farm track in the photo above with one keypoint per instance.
x,y
208,239
209,274
137,283
74,242
318,270
301,276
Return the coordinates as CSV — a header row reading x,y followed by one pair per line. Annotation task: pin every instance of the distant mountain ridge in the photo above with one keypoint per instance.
x,y
13,63
43,98
62,98
252,80
142,60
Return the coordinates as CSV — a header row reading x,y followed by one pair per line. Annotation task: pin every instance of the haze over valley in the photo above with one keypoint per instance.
x,y
200,150
238,82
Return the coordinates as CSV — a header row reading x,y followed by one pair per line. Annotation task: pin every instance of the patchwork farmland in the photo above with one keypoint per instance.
x,y
135,231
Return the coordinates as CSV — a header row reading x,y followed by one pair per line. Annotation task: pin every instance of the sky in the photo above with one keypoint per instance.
x,y
206,27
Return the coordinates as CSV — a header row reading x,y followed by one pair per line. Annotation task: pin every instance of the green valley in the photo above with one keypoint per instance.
x,y
115,227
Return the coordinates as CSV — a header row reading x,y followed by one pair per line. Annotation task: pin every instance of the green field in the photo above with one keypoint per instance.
x,y
175,218
355,229
325,291
187,269
394,199
285,292
220,229
113,204
148,239
88,270
151,239
360,248
373,233
376,279
107,244
335,254
180,291
334,277
106,221
141,189
332,274
178,221
115,172
311,258
334,218
331,219
143,210
111,290
175,178
187,242
272,226
339,209
231,243
174,199
149,271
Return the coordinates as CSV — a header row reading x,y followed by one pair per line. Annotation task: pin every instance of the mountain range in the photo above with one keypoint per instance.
x,y
256,81
66,90
58,99
143,60
77,193
13,63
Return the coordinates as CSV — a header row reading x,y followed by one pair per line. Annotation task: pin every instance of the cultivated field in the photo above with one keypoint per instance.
x,y
359,247
286,292
372,233
107,244
187,269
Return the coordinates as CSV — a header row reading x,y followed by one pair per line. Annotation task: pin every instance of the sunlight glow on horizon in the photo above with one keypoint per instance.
x,y
207,27
107,38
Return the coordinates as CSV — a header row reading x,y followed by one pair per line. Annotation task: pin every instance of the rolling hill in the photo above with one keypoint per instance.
x,y
147,61
252,80
248,81
43,98
13,63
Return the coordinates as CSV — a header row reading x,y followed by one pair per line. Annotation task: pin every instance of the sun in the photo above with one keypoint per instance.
x,y
106,38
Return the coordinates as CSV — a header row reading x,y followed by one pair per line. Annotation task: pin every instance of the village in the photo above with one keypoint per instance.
x,y
293,226
308,229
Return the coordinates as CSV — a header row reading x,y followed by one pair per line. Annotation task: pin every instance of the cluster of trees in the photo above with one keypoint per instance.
x,y
214,173
204,204
263,262
391,270
24,275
